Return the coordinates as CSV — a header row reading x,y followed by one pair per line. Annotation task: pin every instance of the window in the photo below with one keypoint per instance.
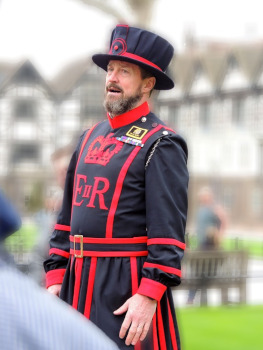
x,y
25,153
173,117
256,202
238,112
25,109
261,159
204,115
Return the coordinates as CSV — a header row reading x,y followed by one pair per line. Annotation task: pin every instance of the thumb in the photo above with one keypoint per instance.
x,y
122,309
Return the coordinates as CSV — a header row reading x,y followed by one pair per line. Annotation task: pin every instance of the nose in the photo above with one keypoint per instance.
x,y
112,76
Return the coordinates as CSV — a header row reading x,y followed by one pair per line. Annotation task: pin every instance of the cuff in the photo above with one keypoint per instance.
x,y
54,277
152,289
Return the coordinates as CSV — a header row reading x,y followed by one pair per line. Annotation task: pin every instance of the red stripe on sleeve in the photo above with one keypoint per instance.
x,y
151,289
62,227
54,277
164,268
59,252
168,241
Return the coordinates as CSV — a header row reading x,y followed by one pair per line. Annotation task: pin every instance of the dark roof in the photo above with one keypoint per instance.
x,y
9,72
69,76
214,58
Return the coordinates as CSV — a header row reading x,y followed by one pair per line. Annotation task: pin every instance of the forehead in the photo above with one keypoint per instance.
x,y
118,63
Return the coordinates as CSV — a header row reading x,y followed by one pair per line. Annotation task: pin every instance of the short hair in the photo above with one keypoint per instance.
x,y
146,74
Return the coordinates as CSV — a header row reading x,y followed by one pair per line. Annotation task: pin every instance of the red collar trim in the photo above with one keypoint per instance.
x,y
129,117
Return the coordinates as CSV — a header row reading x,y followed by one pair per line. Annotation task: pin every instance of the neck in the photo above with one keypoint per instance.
x,y
129,117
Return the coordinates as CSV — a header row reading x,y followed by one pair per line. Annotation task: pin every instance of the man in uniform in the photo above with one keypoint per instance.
x,y
118,243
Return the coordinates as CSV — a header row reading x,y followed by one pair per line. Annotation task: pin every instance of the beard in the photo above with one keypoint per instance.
x,y
123,104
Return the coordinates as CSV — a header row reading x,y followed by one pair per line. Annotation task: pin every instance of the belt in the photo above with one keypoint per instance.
x,y
81,246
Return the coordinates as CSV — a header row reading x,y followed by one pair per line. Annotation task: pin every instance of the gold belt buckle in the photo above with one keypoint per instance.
x,y
81,246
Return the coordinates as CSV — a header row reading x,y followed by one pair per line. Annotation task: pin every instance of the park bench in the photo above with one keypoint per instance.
x,y
218,269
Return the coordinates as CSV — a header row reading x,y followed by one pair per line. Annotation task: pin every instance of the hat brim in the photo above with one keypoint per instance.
x,y
163,82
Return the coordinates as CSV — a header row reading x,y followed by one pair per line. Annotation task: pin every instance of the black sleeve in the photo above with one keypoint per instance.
x,y
166,183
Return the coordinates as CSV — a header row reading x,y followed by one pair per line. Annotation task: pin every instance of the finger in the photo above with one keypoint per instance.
x,y
145,331
131,334
137,336
121,309
125,326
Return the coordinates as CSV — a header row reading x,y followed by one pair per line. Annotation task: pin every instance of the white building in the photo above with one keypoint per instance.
x,y
217,105
26,129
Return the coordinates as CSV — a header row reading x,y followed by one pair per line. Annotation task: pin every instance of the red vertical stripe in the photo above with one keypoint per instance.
x,y
78,270
134,274
134,281
160,328
92,272
171,327
120,180
155,336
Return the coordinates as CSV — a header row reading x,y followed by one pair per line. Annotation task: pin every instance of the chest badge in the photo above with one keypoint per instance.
x,y
136,132
130,140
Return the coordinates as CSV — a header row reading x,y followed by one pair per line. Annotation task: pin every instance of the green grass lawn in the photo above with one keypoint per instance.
x,y
22,240
221,328
254,247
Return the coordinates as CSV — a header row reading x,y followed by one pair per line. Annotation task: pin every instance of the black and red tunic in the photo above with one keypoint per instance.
x,y
122,224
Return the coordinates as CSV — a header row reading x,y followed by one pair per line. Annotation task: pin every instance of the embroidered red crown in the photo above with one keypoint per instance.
x,y
102,149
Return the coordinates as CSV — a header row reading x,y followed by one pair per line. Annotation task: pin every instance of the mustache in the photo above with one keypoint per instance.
x,y
113,86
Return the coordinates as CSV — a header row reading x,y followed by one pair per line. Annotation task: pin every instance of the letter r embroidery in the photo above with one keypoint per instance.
x,y
99,192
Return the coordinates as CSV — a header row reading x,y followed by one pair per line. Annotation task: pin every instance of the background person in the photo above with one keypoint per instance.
x,y
210,226
45,218
31,318
210,220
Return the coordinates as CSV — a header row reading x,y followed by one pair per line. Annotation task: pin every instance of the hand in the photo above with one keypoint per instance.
x,y
55,289
140,310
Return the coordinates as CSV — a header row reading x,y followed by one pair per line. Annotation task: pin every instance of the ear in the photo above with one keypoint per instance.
x,y
148,84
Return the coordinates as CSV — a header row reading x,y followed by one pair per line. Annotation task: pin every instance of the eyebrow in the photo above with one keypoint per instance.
x,y
122,64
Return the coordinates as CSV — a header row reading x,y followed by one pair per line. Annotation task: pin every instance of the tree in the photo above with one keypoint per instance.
x,y
136,12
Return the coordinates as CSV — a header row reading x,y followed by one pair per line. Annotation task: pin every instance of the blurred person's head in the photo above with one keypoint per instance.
x,y
49,203
135,65
60,161
10,220
206,196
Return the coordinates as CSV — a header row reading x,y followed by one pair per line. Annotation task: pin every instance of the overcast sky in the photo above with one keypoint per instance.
x,y
53,32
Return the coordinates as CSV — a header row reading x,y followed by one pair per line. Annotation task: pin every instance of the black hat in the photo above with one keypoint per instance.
x,y
138,46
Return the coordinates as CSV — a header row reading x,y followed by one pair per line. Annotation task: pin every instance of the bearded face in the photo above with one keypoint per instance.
x,y
116,102
124,87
